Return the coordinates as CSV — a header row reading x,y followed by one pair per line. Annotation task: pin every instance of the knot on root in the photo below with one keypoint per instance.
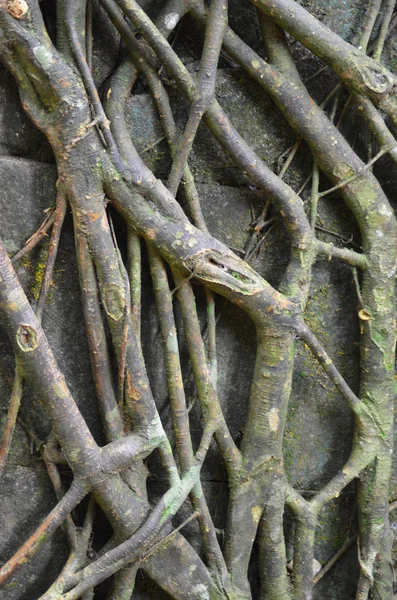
x,y
113,299
26,338
375,77
226,270
15,8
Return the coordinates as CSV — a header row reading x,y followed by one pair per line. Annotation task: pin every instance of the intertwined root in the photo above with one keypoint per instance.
x,y
97,164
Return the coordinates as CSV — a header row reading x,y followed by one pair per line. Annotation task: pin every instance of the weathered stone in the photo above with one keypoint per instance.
x,y
18,136
25,500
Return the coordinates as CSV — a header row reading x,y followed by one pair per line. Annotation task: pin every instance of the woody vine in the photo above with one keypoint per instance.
x,y
98,165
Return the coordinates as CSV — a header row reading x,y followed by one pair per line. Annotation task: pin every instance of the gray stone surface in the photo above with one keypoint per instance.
x,y
25,500
18,136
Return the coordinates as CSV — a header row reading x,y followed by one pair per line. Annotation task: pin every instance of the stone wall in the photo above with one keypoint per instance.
x,y
319,429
